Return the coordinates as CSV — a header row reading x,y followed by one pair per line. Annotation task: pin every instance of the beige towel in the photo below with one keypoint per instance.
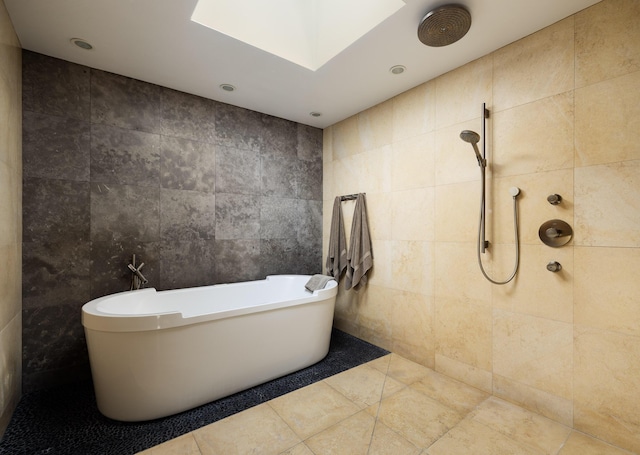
x,y
360,255
337,257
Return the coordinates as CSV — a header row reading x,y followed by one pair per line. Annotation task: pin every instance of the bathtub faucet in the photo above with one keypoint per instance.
x,y
138,280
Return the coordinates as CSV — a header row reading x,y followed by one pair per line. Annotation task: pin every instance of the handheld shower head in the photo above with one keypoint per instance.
x,y
472,138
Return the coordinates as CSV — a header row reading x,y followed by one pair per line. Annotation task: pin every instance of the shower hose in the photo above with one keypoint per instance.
x,y
480,240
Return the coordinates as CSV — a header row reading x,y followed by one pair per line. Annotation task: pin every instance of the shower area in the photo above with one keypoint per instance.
x,y
562,337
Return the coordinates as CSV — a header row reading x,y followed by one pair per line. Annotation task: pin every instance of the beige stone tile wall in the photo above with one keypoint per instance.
x,y
565,116
10,218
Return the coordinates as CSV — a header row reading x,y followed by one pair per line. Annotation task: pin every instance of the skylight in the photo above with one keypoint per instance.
x,y
306,32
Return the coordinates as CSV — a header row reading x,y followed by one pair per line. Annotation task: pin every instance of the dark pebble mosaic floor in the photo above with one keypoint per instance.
x,y
66,420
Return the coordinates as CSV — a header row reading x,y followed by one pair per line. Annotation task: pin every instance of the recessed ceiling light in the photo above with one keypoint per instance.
x,y
81,43
227,87
315,114
397,69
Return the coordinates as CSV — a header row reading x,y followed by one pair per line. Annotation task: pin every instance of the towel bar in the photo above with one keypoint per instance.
x,y
349,197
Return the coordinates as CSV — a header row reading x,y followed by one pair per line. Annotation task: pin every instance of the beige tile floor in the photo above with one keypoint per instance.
x,y
388,406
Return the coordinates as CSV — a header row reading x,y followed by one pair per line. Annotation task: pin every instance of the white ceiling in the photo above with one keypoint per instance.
x,y
156,41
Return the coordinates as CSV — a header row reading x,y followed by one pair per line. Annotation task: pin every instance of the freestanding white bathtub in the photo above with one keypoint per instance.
x,y
157,353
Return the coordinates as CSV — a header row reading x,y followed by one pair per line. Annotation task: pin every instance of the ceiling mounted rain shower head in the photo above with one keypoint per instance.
x,y
444,25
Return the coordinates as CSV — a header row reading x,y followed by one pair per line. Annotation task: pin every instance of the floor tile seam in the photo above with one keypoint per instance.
x,y
358,404
564,443
534,413
425,449
193,435
573,430
295,445
300,439
375,422
536,449
443,435
461,416
285,451
340,422
378,421
463,413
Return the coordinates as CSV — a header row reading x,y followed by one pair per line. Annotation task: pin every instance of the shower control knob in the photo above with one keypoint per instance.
x,y
553,233
554,199
554,266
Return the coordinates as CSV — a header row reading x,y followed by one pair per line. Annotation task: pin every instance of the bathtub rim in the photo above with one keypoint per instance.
x,y
95,319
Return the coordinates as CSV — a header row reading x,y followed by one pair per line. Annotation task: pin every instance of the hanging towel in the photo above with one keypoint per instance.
x,y
360,255
337,257
317,282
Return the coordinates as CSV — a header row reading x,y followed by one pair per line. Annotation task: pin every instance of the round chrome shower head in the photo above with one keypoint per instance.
x,y
470,136
444,25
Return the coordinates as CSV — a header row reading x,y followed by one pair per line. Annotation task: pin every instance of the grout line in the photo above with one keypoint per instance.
x,y
375,422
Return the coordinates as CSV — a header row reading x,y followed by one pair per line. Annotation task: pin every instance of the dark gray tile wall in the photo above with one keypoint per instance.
x,y
202,192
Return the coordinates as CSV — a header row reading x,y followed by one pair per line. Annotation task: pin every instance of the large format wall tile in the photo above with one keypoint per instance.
x,y
376,125
124,212
124,102
187,263
463,332
535,351
10,282
461,92
346,138
55,87
414,112
187,215
607,386
413,221
534,67
309,180
52,338
534,137
187,164
124,157
282,256
607,289
309,141
607,41
238,260
607,209
277,178
55,273
607,119
238,128
237,171
55,147
278,137
188,116
412,164
10,205
237,216
55,210
537,292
